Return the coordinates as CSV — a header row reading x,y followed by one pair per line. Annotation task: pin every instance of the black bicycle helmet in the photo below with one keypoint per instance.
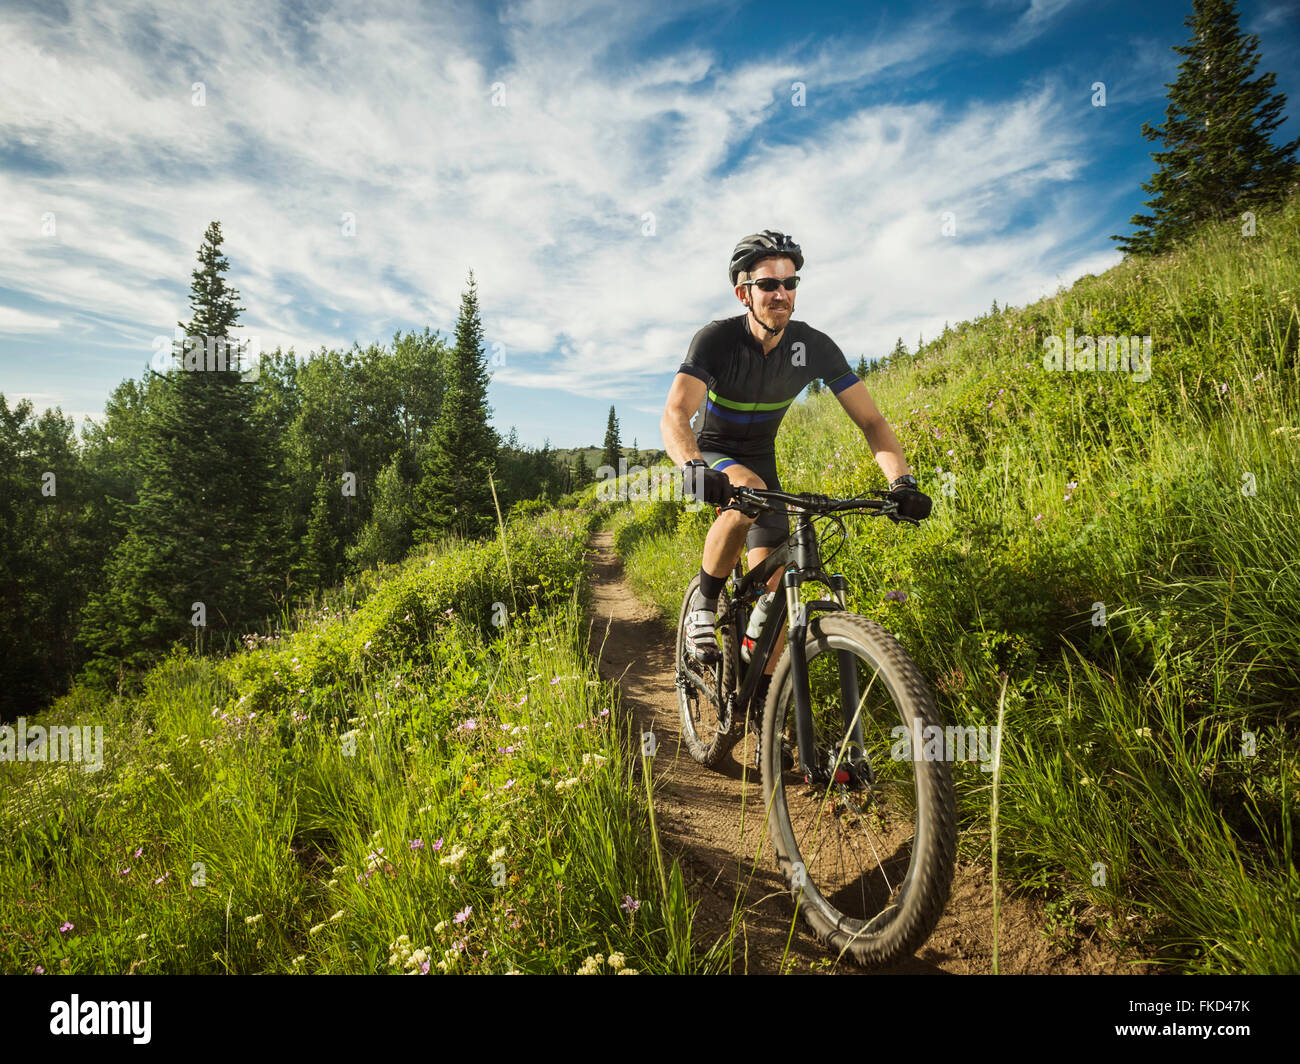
x,y
762,246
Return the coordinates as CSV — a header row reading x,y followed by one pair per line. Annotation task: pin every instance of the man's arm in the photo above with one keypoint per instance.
x,y
859,405
684,399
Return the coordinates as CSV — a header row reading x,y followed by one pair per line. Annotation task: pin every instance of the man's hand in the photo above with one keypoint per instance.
x,y
710,486
913,505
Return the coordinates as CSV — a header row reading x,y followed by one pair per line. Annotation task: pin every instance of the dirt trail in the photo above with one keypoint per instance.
x,y
698,811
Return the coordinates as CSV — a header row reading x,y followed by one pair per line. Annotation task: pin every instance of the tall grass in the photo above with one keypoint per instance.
x,y
456,798
1125,552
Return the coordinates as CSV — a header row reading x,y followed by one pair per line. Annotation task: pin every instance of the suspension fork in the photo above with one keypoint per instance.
x,y
856,747
799,669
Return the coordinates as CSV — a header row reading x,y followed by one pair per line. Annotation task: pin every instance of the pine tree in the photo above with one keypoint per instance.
x,y
900,349
1218,160
318,564
204,527
814,387
613,448
454,493
581,472
863,369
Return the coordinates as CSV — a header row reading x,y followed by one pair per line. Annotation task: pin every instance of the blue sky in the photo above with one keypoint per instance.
x,y
593,163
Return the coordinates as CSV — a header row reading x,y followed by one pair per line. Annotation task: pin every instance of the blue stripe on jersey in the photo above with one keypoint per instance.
x,y
743,419
840,383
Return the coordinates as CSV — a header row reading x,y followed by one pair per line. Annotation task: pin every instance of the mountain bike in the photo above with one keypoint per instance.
x,y
863,823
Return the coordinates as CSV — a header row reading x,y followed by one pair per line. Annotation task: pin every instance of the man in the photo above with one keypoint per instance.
x,y
752,367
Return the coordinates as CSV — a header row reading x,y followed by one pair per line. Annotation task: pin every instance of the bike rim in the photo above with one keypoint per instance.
x,y
857,847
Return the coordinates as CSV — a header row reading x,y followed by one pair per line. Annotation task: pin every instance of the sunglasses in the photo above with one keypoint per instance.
x,y
771,284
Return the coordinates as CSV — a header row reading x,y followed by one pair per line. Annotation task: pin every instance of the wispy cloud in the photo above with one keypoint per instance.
x,y
596,190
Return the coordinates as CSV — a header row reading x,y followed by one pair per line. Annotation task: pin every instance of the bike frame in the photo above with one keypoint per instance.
x,y
801,558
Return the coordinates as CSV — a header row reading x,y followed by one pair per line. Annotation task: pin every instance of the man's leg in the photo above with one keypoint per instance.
x,y
723,544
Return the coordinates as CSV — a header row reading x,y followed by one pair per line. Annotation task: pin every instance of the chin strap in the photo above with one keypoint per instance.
x,y
770,331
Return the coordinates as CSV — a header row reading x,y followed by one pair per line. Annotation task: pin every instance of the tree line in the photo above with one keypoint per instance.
x,y
208,500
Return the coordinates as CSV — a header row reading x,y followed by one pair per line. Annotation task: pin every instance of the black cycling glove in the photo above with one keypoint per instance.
x,y
711,486
912,504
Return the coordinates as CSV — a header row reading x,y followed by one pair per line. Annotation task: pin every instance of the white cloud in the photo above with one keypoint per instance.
x,y
388,114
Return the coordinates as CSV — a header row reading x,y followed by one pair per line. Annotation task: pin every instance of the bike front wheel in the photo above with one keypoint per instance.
x,y
869,849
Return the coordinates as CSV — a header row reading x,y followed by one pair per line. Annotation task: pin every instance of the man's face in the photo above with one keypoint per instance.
x,y
773,309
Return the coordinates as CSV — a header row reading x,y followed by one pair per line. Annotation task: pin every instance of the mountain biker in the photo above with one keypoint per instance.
x,y
741,374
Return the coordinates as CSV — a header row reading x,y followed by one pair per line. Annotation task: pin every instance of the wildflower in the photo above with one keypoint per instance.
x,y
630,904
507,785
617,961
1144,733
463,915
594,759
604,712
896,596
454,858
337,917
440,928
468,725
417,844
499,854
950,452
141,938
332,883
437,845
554,680
564,785
317,929
1084,781
139,851
38,970
1223,388
589,967
124,871
298,960
250,920
1038,517
628,971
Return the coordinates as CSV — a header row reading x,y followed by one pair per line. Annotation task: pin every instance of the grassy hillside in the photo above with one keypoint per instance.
x,y
1124,551
426,780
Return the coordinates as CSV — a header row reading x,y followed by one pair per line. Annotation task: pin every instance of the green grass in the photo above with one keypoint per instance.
x,y
1148,625
332,800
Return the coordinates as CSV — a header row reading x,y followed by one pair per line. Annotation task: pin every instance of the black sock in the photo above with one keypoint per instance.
x,y
710,588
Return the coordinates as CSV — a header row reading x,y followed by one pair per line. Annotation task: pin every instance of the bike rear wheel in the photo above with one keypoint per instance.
x,y
706,728
869,859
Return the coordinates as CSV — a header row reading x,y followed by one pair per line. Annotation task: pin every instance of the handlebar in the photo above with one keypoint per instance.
x,y
883,504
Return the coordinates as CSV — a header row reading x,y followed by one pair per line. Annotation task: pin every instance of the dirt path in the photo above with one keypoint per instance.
x,y
698,811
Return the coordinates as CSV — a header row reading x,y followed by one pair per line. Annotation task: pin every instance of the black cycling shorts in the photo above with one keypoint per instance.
x,y
769,529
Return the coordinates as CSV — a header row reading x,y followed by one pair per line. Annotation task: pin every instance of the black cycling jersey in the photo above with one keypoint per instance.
x,y
749,392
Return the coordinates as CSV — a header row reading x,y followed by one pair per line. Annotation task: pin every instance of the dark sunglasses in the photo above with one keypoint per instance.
x,y
771,284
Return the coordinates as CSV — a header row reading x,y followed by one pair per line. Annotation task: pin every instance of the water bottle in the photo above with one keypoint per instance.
x,y
755,629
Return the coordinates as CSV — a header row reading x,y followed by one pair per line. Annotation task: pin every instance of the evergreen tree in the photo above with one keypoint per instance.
x,y
863,368
318,561
387,535
454,493
900,349
613,448
204,527
1218,160
814,387
581,472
